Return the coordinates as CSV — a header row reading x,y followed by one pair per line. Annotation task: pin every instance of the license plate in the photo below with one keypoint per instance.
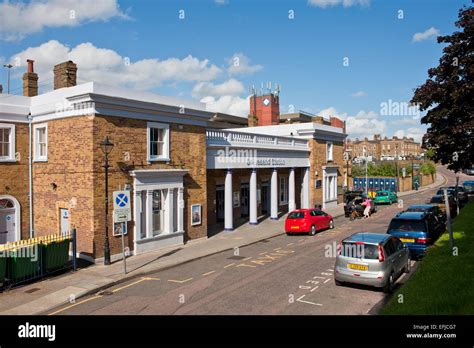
x,y
295,227
358,267
407,240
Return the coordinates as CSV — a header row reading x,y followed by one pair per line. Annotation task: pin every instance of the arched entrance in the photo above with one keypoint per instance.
x,y
9,219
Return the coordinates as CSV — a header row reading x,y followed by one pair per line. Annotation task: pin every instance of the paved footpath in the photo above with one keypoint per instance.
x,y
199,260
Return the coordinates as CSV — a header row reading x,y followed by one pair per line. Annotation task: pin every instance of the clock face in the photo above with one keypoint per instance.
x,y
266,101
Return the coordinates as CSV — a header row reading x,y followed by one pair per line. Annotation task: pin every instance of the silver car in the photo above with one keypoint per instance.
x,y
373,259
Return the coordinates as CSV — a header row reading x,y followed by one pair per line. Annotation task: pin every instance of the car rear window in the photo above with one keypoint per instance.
x,y
405,225
296,215
417,209
382,194
436,200
360,250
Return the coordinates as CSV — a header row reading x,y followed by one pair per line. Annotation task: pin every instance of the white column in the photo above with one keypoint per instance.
x,y
149,213
228,203
305,189
169,212
253,198
291,190
137,214
274,195
180,209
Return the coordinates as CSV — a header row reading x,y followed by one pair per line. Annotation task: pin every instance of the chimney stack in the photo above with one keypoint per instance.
x,y
65,74
30,81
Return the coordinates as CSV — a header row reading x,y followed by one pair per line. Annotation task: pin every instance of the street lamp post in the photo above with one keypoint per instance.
x,y
8,66
396,165
106,146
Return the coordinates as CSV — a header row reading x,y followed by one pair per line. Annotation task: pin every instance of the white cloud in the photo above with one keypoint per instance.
x,y
359,94
330,3
229,87
365,127
228,104
240,64
427,34
331,111
221,2
405,121
20,19
109,67
412,132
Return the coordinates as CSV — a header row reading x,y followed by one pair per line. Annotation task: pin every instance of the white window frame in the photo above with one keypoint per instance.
x,y
166,141
329,151
284,179
36,128
11,157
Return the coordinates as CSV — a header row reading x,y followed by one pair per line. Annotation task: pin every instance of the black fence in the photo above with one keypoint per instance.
x,y
24,261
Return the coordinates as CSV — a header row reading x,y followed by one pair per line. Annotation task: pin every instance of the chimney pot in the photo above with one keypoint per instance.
x,y
30,81
30,65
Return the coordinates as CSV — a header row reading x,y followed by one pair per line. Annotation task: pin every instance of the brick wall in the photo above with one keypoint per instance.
x,y
75,163
14,176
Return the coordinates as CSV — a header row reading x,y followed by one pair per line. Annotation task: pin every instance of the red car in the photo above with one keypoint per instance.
x,y
307,221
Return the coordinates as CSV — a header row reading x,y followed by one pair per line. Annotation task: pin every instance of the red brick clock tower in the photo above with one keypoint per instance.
x,y
264,110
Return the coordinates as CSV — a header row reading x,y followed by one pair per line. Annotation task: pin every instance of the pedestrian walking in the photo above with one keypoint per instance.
x,y
366,203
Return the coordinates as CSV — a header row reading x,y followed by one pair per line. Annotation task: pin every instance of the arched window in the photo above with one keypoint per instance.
x,y
6,204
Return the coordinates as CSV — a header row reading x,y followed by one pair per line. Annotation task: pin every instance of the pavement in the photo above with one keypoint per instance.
x,y
88,283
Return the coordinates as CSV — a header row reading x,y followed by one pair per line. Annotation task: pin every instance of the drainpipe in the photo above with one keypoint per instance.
x,y
30,170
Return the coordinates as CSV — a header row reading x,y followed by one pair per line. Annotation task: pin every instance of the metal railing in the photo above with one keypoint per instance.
x,y
235,138
26,260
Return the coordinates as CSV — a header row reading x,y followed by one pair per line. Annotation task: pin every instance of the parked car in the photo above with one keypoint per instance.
x,y
429,208
373,259
468,186
356,203
451,191
462,195
417,230
439,201
307,221
385,196
469,171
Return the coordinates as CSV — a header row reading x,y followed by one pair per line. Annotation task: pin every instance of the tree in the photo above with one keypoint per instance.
x,y
448,95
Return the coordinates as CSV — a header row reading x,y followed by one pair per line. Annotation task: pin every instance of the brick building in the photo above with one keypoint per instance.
x,y
188,170
385,148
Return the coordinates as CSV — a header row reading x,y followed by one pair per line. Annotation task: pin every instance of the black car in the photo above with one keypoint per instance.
x,y
462,194
429,208
356,203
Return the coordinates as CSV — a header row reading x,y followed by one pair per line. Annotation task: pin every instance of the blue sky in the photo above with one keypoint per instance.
x,y
190,57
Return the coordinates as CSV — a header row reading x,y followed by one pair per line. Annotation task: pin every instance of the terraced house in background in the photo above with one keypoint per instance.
x,y
190,171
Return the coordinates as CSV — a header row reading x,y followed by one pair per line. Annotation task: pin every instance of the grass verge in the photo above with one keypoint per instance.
x,y
443,284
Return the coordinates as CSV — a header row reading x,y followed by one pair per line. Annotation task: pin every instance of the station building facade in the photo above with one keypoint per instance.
x,y
189,171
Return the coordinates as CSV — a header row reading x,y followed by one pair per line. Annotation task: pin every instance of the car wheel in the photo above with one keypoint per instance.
x,y
389,286
407,268
331,224
313,230
337,282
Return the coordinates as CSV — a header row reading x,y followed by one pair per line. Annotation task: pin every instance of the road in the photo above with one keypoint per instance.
x,y
281,275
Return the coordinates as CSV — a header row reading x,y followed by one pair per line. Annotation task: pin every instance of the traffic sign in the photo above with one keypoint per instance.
x,y
122,215
121,199
122,208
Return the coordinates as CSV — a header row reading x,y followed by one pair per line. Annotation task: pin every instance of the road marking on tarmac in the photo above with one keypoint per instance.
x,y
207,273
180,281
230,265
75,304
128,285
299,299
